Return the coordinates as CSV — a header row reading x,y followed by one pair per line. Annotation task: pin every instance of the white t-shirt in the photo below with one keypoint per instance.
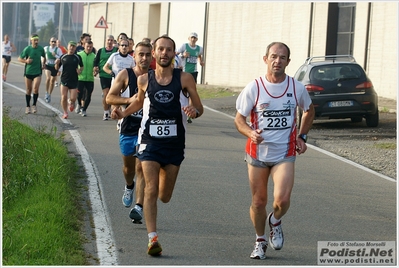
x,y
118,62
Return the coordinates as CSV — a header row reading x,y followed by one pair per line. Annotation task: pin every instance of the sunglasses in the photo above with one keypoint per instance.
x,y
53,41
124,45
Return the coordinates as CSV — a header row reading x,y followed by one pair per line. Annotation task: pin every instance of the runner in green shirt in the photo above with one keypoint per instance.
x,y
34,58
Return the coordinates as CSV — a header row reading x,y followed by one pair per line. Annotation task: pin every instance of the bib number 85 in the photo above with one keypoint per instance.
x,y
163,131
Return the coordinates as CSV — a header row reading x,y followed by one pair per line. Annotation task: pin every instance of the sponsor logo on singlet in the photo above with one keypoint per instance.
x,y
164,96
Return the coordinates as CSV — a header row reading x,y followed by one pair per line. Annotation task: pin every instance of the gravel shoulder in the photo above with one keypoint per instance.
x,y
374,148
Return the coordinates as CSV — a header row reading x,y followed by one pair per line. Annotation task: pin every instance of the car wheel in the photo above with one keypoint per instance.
x,y
372,119
356,119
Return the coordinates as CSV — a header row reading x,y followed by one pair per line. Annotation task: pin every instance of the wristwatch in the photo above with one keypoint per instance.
x,y
304,137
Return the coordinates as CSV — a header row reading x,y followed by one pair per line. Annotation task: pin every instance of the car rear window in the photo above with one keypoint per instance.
x,y
336,72
300,74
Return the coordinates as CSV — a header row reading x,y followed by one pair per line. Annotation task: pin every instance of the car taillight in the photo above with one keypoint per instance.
x,y
314,88
367,84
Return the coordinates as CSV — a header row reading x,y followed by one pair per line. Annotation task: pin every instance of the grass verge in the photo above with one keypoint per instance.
x,y
42,216
210,92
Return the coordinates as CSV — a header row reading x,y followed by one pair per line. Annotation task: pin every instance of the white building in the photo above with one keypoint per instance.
x,y
235,34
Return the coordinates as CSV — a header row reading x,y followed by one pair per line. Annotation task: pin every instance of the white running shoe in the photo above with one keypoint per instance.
x,y
46,97
127,197
78,109
259,250
276,237
83,113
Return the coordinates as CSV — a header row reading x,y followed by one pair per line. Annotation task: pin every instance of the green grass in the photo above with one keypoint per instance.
x,y
41,192
209,92
391,146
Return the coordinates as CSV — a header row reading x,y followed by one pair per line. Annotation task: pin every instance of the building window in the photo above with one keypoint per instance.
x,y
346,28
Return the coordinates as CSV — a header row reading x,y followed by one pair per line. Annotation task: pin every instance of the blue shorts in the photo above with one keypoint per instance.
x,y
128,144
161,155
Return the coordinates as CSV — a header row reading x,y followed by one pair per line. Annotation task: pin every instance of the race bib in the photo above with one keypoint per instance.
x,y
276,119
138,114
192,59
163,128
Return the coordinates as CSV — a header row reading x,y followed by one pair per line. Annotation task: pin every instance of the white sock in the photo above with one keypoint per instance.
x,y
273,220
152,235
261,237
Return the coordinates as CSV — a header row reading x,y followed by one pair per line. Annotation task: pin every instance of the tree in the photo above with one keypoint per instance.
x,y
46,32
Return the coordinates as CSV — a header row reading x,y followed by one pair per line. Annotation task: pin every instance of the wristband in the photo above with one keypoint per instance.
x,y
197,113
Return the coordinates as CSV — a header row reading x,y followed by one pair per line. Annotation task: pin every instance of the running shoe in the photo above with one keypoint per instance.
x,y
71,105
259,250
276,237
46,97
83,113
78,109
136,213
105,117
65,116
27,110
4,78
127,197
49,98
189,120
34,109
56,84
154,247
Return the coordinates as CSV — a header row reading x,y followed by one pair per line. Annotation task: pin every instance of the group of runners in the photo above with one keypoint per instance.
x,y
152,106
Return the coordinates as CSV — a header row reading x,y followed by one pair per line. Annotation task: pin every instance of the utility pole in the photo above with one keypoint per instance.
x,y
30,22
60,22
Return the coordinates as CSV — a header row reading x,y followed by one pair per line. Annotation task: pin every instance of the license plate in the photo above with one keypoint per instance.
x,y
340,103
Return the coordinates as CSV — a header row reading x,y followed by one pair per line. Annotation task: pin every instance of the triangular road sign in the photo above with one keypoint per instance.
x,y
101,23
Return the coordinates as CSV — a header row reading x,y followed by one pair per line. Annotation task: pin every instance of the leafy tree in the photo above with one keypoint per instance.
x,y
46,32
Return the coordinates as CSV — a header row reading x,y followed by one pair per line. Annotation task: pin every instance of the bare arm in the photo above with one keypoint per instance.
x,y
241,124
306,124
195,104
57,64
21,60
136,101
120,83
200,57
107,69
307,120
13,48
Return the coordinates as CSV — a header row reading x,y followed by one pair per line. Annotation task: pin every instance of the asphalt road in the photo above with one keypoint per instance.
x,y
207,221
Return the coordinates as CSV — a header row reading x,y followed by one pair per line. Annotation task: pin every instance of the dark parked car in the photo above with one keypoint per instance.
x,y
339,88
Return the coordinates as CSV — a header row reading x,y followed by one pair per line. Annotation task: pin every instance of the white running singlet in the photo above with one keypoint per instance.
x,y
272,108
